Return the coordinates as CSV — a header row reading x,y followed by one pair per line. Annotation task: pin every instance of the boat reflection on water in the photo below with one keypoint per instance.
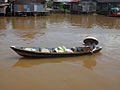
x,y
89,61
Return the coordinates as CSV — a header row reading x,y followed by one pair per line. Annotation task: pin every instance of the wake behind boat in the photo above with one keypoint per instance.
x,y
90,46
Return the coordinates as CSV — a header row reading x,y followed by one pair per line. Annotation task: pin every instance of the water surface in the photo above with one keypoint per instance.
x,y
100,71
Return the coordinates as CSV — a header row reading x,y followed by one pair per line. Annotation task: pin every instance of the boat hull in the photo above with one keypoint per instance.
x,y
114,15
26,53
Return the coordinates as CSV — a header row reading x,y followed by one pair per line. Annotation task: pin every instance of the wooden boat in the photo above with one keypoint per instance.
x,y
56,52
114,12
36,51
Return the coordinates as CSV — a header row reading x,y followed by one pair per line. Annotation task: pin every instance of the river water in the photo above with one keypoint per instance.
x,y
100,71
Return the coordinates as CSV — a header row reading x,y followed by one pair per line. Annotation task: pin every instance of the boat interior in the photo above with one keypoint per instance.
x,y
61,49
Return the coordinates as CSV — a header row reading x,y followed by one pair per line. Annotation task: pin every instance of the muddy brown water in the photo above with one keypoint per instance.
x,y
100,71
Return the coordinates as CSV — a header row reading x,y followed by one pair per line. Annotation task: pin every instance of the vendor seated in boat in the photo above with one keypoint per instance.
x,y
89,46
90,42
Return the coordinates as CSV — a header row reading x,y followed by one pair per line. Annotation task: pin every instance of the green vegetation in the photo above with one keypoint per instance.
x,y
61,10
59,7
50,4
